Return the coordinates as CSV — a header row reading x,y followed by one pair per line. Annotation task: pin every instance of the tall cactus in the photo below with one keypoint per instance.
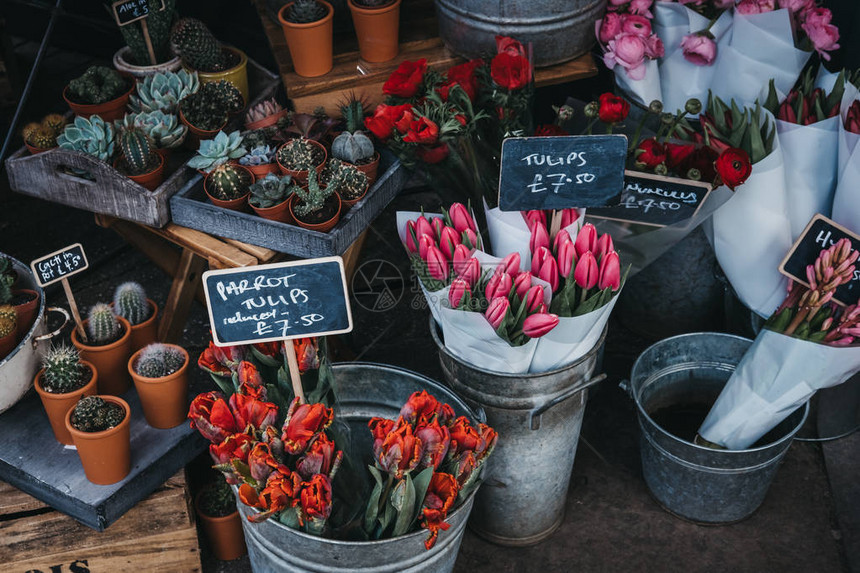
x,y
159,360
198,48
102,326
129,302
138,151
63,370
8,320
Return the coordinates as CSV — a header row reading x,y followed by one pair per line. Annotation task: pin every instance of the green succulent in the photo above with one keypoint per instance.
x,y
95,414
158,24
63,370
159,360
300,155
271,190
227,182
197,47
164,129
263,110
347,180
163,91
98,85
260,155
305,12
91,136
217,151
313,198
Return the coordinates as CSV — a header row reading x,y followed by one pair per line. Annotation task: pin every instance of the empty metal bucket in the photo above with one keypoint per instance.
x,y
538,418
364,390
694,482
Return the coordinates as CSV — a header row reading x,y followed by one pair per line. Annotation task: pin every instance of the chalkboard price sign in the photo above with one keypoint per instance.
x,y
278,301
649,199
59,265
128,11
561,172
821,233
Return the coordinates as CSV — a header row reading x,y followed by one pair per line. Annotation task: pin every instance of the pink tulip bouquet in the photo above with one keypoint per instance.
x,y
809,343
846,199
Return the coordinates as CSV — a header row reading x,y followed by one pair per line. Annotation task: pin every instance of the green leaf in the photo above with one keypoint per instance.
x,y
223,384
377,475
387,518
244,472
285,385
274,396
835,97
421,483
403,500
772,102
372,511
290,517
264,359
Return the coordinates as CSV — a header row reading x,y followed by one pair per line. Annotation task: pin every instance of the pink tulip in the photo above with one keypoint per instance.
x,y
539,238
461,218
437,264
609,27
458,291
424,243
699,49
541,309
549,272
585,273
636,25
560,238
538,257
437,224
449,238
533,298
534,217
604,246
460,258
569,217
610,272
511,264
500,284
522,283
411,237
586,239
537,325
471,272
566,259
470,238
423,227
496,312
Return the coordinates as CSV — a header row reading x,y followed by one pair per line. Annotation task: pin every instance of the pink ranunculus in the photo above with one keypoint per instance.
x,y
636,25
539,324
748,7
794,6
655,48
641,7
497,310
699,49
628,51
608,27
823,35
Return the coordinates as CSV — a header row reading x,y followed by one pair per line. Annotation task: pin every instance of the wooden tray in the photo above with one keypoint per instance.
x,y
190,208
46,175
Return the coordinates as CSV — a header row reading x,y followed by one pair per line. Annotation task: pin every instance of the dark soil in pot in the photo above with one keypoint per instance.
x,y
328,211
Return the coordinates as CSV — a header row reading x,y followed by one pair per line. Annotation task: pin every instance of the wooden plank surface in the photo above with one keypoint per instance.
x,y
207,246
262,254
13,500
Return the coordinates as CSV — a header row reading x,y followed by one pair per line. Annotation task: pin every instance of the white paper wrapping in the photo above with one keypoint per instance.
x,y
846,200
810,156
643,91
681,80
775,377
752,234
433,298
761,48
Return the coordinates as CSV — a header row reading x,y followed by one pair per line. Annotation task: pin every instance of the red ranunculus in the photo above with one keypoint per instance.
x,y
507,45
404,122
422,131
249,411
702,159
406,79
612,108
381,124
549,130
211,416
733,167
439,500
433,154
320,458
464,74
649,154
315,500
303,423
435,439
677,154
511,72
400,451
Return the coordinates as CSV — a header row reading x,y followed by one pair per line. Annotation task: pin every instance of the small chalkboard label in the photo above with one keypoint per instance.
x,y
821,233
128,11
278,301
561,172
649,199
59,265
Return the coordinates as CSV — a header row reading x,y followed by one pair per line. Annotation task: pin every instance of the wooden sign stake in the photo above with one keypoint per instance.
x,y
555,226
75,314
295,376
148,41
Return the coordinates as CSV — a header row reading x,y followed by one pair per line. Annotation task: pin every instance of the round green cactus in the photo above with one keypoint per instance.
x,y
159,360
129,302
305,12
227,182
197,47
98,85
63,370
138,151
352,147
102,325
8,320
94,414
300,155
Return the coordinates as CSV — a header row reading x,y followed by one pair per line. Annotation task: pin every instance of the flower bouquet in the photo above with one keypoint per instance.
x,y
846,200
809,343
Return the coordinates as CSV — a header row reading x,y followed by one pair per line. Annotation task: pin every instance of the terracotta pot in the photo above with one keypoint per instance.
x,y
310,45
146,332
350,202
260,171
266,121
224,533
108,111
377,30
370,169
26,313
110,360
164,153
319,227
280,212
106,456
301,177
165,399
123,65
58,405
37,150
239,204
192,139
8,344
152,179
237,75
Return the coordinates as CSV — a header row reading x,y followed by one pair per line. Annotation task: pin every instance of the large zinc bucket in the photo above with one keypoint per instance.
x,y
538,418
694,482
559,30
364,390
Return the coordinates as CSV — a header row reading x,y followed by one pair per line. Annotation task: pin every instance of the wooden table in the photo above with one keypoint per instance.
x,y
418,39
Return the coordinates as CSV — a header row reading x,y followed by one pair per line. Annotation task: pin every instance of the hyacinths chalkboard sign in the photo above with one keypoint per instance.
x,y
654,200
561,172
278,301
59,265
821,233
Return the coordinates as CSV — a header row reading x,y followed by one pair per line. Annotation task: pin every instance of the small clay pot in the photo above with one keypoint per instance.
x,y
280,212
36,150
266,121
225,535
106,456
260,171
350,202
300,177
377,30
109,360
26,313
239,204
369,169
58,405
8,344
146,332
323,227
152,179
108,111
237,75
165,399
195,134
121,63
310,44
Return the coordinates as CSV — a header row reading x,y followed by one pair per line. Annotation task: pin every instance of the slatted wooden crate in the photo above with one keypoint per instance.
x,y
157,535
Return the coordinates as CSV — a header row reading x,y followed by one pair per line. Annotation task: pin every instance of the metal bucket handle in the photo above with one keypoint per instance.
x,y
50,335
535,415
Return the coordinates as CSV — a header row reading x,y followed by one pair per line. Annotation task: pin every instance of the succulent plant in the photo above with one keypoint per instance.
x,y
95,414
313,198
300,155
229,94
217,499
260,155
159,360
163,91
209,108
42,137
217,151
138,152
310,126
63,370
158,26
55,122
352,147
271,190
97,85
227,182
197,47
258,138
347,180
305,12
263,110
102,325
129,302
92,136
164,129
8,320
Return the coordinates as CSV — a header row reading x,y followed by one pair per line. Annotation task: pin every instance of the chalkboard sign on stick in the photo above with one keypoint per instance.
x,y
561,172
821,233
59,265
278,302
649,199
128,11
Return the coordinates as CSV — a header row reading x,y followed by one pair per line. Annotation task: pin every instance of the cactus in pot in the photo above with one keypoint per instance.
x,y
163,91
353,145
97,85
300,155
130,302
138,152
347,180
102,326
92,136
227,182
158,24
55,122
312,199
94,414
270,191
42,137
64,371
8,321
197,47
159,360
218,151
209,108
305,12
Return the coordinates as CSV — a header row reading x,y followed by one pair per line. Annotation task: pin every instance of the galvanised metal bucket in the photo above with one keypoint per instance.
x,y
694,482
538,418
364,390
559,30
